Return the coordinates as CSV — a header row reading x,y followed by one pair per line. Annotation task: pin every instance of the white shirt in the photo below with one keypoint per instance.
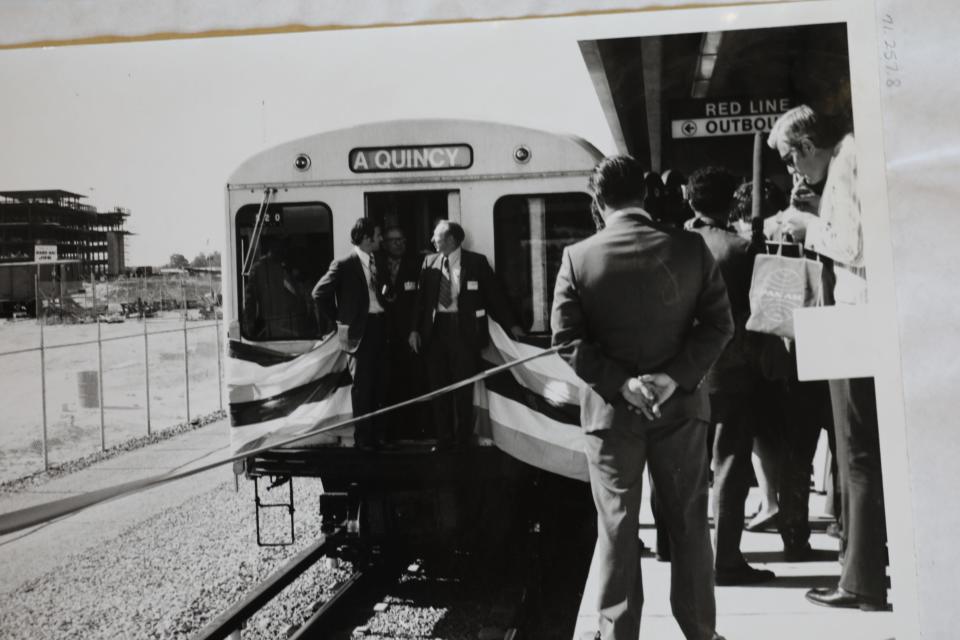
x,y
365,258
838,232
453,261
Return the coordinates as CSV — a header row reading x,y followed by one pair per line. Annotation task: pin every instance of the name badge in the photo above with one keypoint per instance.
x,y
409,285
481,313
472,285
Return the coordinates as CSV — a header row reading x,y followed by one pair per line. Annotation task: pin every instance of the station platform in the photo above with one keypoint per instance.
x,y
775,609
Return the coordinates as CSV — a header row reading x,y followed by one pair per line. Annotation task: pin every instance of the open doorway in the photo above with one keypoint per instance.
x,y
416,212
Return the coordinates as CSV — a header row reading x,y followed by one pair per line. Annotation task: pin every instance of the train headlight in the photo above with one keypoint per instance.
x,y
522,154
302,163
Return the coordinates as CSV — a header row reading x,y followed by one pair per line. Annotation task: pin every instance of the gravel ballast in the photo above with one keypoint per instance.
x,y
169,575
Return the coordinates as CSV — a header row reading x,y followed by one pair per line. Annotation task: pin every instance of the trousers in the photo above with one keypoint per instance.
x,y
861,485
678,466
449,360
736,419
370,380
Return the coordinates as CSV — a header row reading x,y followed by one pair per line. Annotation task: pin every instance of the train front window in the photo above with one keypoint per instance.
x,y
295,250
530,232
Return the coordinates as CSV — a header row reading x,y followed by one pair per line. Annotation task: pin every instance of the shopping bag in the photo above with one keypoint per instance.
x,y
780,285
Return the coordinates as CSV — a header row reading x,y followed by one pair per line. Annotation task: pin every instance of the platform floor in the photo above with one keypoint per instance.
x,y
774,610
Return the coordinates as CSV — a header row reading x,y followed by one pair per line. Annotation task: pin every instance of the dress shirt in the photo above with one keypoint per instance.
x,y
838,232
453,262
365,258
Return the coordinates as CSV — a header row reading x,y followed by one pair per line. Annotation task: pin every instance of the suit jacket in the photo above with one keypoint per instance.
x,y
342,296
737,370
480,294
400,295
640,298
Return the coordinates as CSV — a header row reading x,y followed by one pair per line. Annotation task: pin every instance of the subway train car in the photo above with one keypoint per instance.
x,y
520,195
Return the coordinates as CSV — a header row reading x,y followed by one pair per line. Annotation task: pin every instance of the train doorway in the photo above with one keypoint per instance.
x,y
416,212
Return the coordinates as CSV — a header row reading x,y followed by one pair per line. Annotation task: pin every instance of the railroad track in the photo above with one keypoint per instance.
x,y
447,594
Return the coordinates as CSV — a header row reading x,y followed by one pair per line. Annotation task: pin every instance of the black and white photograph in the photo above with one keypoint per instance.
x,y
548,328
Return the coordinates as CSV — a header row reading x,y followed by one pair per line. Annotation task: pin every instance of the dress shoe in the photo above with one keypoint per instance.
x,y
841,598
763,522
797,552
742,575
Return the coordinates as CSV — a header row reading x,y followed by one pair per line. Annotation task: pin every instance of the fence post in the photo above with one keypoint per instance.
x,y
146,345
216,325
103,436
43,374
186,356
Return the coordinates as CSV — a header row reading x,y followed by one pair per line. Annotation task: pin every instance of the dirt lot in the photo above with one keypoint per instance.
x,y
73,413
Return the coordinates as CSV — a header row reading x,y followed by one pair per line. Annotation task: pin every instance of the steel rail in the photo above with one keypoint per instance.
x,y
233,618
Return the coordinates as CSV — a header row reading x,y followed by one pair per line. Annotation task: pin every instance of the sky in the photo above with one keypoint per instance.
x,y
157,127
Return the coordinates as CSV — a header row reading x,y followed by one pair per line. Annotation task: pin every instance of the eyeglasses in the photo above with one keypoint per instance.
x,y
395,239
788,159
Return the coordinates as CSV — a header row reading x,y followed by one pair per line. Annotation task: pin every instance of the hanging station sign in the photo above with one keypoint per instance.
x,y
707,118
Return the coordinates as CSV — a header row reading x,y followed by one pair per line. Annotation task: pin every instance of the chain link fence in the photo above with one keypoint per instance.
x,y
104,362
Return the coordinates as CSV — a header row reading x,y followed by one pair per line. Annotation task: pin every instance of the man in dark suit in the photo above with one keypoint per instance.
x,y
400,292
734,381
643,313
456,291
350,294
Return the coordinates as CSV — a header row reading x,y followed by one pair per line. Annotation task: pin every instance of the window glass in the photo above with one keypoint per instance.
x,y
530,232
295,250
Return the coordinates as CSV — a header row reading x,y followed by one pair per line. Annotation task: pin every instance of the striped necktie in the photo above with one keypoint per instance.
x,y
373,273
445,297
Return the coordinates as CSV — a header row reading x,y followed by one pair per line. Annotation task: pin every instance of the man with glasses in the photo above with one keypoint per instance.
x,y
813,147
456,291
399,292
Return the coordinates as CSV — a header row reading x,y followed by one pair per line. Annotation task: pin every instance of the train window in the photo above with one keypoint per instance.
x,y
295,250
416,212
530,232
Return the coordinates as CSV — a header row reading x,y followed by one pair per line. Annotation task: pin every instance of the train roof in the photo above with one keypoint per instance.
x,y
491,148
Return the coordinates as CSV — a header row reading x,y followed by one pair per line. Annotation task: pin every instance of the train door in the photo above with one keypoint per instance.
x,y
416,212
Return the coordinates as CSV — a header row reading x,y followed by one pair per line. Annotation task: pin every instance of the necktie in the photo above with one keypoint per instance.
x,y
445,297
373,273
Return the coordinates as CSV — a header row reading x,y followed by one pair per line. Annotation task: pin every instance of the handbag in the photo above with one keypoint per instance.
x,y
781,284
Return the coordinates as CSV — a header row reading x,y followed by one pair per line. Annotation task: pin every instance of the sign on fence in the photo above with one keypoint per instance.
x,y
45,253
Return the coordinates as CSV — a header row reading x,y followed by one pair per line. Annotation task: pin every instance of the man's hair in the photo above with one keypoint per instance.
x,y
362,228
454,230
803,122
772,202
673,180
617,181
710,192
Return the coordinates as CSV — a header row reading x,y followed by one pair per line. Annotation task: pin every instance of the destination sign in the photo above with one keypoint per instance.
x,y
413,158
726,117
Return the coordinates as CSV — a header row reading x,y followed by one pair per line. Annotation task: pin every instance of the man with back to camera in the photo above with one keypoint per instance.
x,y
457,289
734,380
350,295
643,312
815,148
